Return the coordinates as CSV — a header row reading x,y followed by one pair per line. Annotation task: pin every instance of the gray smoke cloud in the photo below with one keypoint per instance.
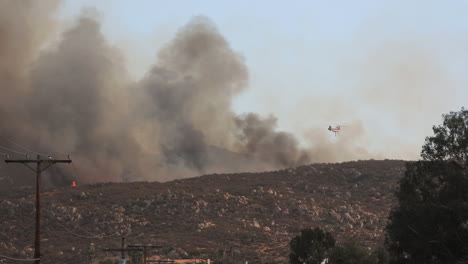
x,y
258,136
69,93
20,41
79,102
187,96
74,97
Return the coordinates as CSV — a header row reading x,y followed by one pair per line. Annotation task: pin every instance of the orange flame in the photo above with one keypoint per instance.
x,y
73,184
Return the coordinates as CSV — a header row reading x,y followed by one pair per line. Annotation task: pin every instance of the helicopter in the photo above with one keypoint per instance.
x,y
335,129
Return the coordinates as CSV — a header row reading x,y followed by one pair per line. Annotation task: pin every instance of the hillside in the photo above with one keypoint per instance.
x,y
246,216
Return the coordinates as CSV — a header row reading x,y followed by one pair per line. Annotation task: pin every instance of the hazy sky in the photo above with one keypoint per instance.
x,y
390,68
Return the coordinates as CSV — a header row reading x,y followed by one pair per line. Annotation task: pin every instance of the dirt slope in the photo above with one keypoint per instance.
x,y
244,216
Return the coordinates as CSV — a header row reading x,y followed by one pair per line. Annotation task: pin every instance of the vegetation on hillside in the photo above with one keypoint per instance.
x,y
315,246
430,222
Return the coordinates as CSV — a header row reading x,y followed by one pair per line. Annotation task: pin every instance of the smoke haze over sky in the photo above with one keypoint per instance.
x,y
313,63
159,90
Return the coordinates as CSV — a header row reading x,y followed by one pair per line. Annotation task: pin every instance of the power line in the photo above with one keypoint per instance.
x,y
139,235
18,259
22,146
39,163
93,235
78,235
14,151
28,149
59,152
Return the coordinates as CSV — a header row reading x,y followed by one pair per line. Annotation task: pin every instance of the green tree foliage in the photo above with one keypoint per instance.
x,y
450,140
106,261
351,253
382,255
311,246
430,223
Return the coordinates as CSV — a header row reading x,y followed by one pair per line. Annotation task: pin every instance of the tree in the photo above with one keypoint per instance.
x,y
351,253
381,255
430,223
450,140
311,246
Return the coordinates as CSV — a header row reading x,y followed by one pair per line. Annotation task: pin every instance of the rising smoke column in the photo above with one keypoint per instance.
x,y
69,97
188,94
259,137
20,40
190,90
73,97
79,102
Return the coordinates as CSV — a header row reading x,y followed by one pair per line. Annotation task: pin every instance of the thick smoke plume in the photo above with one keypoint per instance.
x,y
74,97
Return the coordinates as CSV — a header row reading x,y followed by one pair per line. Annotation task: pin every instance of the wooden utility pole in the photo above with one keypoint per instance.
x,y
138,247
48,162
122,249
123,246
